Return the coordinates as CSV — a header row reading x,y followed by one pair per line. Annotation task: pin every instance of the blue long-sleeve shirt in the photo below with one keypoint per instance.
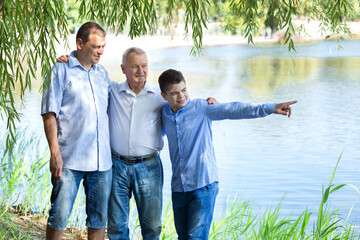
x,y
79,99
190,139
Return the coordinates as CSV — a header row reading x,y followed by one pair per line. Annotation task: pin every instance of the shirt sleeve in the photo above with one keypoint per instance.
x,y
53,91
108,80
238,110
162,122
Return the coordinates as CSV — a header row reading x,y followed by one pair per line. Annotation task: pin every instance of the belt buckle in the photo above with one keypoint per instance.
x,y
130,160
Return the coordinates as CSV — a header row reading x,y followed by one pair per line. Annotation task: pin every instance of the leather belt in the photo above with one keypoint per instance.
x,y
133,160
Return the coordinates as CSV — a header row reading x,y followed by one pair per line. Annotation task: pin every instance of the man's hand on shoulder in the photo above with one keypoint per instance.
x,y
212,100
63,58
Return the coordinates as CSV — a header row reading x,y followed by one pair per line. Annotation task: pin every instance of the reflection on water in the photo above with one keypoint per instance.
x,y
267,159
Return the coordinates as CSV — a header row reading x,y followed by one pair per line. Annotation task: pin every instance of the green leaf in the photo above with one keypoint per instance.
x,y
337,188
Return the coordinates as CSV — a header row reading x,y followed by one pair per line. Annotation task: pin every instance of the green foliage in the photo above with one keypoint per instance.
x,y
24,177
72,9
115,14
30,29
12,174
28,33
238,221
252,16
326,223
168,225
8,229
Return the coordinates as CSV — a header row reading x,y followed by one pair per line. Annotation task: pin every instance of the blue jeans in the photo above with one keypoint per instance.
x,y
145,181
193,212
97,190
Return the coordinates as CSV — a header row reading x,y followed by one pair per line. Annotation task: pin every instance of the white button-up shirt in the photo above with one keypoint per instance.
x,y
135,120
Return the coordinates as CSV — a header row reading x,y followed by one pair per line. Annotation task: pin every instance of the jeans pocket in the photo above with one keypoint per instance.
x,y
153,163
211,187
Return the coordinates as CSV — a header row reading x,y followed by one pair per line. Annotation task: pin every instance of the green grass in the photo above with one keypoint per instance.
x,y
26,184
8,229
239,223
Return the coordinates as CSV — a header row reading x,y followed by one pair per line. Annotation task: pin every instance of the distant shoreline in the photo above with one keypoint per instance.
x,y
116,45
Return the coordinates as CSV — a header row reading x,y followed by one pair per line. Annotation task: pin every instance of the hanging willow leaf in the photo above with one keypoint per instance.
x,y
29,30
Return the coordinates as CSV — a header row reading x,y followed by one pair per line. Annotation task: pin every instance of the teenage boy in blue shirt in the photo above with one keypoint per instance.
x,y
187,125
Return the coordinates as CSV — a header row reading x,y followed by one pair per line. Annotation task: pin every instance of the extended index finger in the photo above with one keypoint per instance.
x,y
290,103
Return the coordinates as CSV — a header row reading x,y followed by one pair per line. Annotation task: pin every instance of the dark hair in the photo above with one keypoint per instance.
x,y
137,51
169,77
87,28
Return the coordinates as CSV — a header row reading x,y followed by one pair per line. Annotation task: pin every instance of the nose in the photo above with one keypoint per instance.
x,y
140,69
100,51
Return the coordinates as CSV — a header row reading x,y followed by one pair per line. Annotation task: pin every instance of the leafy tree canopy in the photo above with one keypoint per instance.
x,y
29,29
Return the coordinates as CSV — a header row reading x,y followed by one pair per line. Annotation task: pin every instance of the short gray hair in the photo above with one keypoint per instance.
x,y
137,51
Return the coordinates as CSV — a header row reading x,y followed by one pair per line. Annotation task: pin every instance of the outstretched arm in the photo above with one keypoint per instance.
x,y
284,108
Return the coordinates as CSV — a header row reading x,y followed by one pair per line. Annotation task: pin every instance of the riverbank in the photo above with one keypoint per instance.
x,y
15,226
117,44
312,32
302,162
238,221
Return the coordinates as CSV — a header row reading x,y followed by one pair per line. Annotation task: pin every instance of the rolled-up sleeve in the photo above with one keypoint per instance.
x,y
53,91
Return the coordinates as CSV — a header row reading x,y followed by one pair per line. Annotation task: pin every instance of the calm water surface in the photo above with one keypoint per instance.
x,y
268,159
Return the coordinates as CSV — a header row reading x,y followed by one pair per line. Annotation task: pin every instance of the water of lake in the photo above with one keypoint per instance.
x,y
265,160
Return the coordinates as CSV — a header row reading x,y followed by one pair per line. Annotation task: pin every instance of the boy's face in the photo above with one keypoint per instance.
x,y
176,95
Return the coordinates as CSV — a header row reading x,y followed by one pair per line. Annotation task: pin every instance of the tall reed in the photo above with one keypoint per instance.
x,y
25,183
239,223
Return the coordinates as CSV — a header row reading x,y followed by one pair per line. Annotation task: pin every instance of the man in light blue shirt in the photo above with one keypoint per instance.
x,y
187,125
74,110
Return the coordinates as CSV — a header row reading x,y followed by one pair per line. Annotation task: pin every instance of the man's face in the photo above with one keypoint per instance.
x,y
135,68
176,95
92,50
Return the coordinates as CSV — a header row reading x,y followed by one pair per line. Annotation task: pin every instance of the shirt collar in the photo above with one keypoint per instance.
x,y
73,61
180,110
147,88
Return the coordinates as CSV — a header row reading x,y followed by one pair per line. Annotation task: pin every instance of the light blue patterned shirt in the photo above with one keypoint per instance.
x,y
190,139
79,99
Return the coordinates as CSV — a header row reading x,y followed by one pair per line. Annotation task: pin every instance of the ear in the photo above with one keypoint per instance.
x,y
164,96
122,68
79,43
